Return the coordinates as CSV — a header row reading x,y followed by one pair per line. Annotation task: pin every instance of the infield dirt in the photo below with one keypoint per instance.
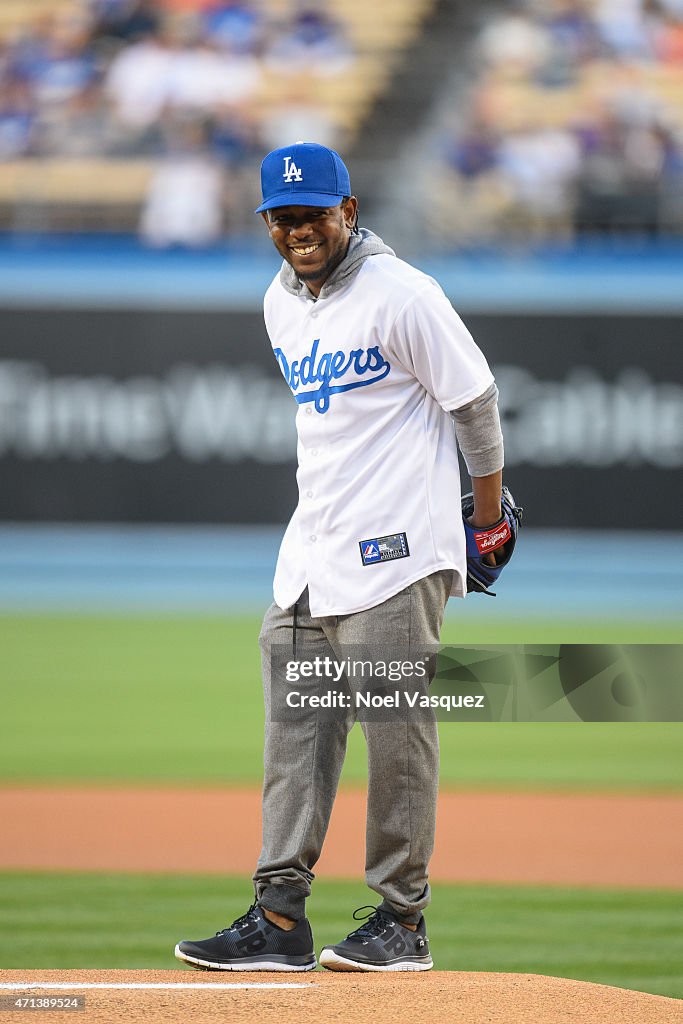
x,y
518,838
439,997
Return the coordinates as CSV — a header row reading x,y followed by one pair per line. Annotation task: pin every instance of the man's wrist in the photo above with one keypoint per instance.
x,y
485,516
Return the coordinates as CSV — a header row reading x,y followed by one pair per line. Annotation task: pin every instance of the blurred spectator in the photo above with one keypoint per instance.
x,y
540,168
236,142
671,192
17,120
572,39
65,65
312,43
571,30
28,53
201,76
234,137
235,26
515,40
77,127
669,42
623,28
296,115
475,151
622,165
127,20
177,70
184,202
468,198
4,61
137,83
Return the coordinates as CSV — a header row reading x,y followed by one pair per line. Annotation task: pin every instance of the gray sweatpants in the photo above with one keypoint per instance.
x,y
303,761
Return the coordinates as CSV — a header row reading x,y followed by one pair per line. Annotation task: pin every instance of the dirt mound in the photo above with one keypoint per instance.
x,y
441,997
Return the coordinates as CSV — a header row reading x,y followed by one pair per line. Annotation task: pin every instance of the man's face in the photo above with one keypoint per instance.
x,y
313,239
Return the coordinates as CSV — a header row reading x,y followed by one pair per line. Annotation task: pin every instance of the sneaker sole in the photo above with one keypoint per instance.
x,y
334,962
242,965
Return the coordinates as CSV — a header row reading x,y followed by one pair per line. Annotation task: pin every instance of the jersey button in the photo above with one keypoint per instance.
x,y
308,410
314,451
313,538
309,494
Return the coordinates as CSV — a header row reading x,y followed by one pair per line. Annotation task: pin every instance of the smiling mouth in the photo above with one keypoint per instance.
x,y
305,250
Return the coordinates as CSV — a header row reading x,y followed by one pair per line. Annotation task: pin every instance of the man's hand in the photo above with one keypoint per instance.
x,y
486,491
489,545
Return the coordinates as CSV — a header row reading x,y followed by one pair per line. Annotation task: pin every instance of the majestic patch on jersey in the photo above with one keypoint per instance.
x,y
292,172
321,368
384,549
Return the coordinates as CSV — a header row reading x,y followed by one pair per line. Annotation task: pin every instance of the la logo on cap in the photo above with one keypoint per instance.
x,y
292,172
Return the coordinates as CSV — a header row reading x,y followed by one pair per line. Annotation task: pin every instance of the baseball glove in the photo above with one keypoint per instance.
x,y
501,537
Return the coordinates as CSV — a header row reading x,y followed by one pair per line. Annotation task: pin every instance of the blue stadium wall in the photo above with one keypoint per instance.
x,y
180,415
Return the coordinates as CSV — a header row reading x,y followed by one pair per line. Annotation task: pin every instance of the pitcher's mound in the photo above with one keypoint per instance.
x,y
440,997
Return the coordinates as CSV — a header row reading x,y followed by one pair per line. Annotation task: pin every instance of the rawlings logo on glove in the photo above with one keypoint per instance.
x,y
500,537
492,538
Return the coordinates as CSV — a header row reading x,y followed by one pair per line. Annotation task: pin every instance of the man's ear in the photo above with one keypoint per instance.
x,y
350,212
264,214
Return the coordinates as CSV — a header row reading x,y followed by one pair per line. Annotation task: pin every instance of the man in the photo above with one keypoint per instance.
x,y
380,366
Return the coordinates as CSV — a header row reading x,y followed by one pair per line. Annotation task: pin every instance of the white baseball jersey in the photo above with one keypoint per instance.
x,y
375,369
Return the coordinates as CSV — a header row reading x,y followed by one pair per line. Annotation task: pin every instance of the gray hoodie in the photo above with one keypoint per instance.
x,y
362,245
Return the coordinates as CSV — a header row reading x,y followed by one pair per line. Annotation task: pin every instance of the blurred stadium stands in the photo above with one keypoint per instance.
x,y
567,118
520,121
110,107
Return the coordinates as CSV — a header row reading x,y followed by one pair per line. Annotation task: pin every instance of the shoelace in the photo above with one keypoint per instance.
x,y
240,921
373,925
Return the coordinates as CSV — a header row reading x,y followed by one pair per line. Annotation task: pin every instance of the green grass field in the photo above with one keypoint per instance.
x,y
629,939
178,700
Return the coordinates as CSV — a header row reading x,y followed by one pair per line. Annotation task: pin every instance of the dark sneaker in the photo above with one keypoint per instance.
x,y
381,943
252,943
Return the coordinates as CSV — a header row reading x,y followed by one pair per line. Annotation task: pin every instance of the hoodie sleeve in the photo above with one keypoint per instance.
x,y
480,438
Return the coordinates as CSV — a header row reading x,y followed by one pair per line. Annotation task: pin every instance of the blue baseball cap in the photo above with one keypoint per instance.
x,y
304,174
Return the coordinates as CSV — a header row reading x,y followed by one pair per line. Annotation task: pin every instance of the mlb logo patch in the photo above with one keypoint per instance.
x,y
384,549
370,551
